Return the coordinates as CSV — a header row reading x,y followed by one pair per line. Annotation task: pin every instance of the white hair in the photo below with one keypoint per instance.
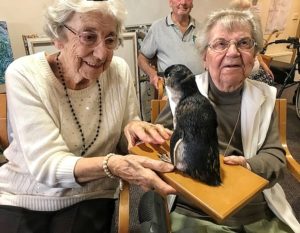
x,y
62,10
231,18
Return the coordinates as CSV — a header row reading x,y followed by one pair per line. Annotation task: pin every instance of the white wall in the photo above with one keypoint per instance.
x,y
141,12
26,17
146,11
279,51
22,17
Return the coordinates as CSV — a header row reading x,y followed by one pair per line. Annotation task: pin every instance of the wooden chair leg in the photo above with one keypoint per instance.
x,y
123,219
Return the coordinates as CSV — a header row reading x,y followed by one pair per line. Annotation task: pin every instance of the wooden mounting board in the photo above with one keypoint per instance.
x,y
239,185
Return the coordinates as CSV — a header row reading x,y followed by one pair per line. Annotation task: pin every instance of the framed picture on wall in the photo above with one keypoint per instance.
x,y
25,41
6,55
128,51
39,44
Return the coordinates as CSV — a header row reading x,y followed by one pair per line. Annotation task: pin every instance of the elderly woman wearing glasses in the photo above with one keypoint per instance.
x,y
247,126
68,111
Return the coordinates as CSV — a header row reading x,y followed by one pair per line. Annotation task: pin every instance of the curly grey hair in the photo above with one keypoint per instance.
x,y
230,18
62,10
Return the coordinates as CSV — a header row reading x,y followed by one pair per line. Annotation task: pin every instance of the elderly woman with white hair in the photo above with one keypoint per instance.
x,y
68,111
247,126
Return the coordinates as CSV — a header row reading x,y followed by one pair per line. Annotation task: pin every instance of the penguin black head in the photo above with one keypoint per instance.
x,y
180,79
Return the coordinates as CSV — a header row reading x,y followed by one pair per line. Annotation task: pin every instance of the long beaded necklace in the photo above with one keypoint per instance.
x,y
84,147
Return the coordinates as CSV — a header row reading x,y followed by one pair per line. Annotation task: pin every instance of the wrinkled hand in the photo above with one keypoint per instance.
x,y
137,131
236,160
140,170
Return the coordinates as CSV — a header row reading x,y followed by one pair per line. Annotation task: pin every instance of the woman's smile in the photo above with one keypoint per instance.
x,y
93,64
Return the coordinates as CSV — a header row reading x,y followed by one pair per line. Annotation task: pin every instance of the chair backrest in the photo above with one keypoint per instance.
x,y
158,104
3,122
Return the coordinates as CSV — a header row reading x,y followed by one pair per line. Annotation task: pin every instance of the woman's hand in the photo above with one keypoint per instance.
x,y
141,171
237,160
137,131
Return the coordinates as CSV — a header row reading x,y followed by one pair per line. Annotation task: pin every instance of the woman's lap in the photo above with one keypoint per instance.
x,y
93,216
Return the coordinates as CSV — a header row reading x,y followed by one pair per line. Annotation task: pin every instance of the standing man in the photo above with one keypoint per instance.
x,y
171,40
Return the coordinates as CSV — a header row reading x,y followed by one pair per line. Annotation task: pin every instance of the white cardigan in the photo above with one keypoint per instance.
x,y
46,144
257,105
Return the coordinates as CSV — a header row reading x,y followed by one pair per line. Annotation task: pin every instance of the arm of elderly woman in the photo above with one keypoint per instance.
x,y
265,66
132,168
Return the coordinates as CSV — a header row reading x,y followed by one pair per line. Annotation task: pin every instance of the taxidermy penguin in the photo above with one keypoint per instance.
x,y
194,143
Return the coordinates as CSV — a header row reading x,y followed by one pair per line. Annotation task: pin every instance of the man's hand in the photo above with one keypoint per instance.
x,y
154,80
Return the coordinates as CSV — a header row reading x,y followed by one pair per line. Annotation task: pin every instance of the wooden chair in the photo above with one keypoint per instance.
x,y
123,212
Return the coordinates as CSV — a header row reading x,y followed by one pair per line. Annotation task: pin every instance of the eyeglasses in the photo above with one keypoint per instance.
x,y
92,39
221,45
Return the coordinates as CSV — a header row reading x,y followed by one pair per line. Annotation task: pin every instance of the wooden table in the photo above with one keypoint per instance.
x,y
239,185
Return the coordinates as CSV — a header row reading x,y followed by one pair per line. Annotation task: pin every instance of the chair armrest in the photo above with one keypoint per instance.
x,y
292,164
3,122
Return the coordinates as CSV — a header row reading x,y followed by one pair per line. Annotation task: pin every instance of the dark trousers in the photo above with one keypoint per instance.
x,y
92,216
